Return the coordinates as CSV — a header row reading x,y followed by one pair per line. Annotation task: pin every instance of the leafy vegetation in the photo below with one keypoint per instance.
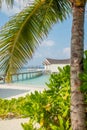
x,y
83,76
59,11
49,110
53,109
21,38
11,108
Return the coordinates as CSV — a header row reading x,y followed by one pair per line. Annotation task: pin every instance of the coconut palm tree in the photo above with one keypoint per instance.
x,y
23,33
77,48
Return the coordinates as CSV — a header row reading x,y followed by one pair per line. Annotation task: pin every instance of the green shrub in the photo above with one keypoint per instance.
x,y
51,108
83,77
13,106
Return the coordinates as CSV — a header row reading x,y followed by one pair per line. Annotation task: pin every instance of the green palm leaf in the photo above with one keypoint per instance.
x,y
20,37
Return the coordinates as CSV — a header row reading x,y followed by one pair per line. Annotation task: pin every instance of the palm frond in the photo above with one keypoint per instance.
x,y
20,37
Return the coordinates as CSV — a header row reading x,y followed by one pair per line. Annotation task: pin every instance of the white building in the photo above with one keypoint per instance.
x,y
51,65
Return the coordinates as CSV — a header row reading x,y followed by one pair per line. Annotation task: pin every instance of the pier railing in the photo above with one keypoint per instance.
x,y
22,75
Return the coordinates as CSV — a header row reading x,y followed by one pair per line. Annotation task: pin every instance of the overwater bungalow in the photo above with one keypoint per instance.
x,y
51,65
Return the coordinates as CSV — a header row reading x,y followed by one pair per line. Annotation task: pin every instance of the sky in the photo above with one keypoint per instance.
x,y
56,45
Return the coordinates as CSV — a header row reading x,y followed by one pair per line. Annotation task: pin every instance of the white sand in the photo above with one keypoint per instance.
x,y
31,88
15,124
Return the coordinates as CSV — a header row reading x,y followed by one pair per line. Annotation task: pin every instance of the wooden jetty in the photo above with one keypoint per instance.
x,y
23,75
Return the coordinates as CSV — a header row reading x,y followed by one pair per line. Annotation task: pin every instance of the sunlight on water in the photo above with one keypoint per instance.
x,y
5,93
41,80
35,82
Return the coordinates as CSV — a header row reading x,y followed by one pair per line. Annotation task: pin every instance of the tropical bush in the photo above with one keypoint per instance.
x,y
54,112
50,110
11,108
83,77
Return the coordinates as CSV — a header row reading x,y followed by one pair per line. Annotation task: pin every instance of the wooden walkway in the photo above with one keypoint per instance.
x,y
23,75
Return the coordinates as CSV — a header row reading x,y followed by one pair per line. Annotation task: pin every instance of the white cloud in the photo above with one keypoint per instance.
x,y
37,55
17,7
66,51
49,43
9,12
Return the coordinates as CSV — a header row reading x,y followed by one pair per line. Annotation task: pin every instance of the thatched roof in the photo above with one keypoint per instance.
x,y
49,61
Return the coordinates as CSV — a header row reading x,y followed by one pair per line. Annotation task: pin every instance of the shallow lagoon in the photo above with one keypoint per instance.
x,y
5,93
34,82
40,81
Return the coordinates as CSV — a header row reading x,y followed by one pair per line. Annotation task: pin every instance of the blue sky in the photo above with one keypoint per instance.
x,y
56,45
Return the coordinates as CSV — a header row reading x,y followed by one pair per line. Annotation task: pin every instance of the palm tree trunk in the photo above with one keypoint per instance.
x,y
77,48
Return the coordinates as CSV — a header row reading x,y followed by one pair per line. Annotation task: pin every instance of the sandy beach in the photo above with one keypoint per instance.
x,y
29,88
15,124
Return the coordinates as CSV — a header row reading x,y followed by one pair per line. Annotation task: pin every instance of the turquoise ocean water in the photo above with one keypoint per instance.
x,y
37,82
5,93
